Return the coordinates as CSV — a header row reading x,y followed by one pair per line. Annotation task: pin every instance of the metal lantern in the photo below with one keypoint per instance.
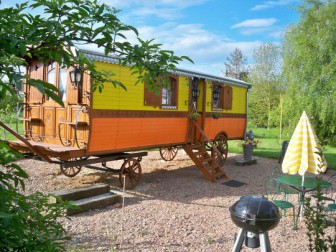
x,y
215,94
195,91
75,76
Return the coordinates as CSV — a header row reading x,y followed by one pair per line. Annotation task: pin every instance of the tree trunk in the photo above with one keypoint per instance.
x,y
269,112
280,124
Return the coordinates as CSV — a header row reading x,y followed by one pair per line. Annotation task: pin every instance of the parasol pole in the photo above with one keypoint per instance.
x,y
302,197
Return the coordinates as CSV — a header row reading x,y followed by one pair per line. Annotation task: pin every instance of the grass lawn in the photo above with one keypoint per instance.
x,y
5,135
270,147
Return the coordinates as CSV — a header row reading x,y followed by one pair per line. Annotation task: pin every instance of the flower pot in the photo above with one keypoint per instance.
x,y
194,116
248,151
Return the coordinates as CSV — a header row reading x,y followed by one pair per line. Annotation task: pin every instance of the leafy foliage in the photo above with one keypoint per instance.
x,y
266,91
24,36
316,224
310,67
194,115
27,223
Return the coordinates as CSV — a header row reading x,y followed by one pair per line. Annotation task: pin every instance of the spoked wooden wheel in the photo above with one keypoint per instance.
x,y
220,142
72,170
168,153
131,170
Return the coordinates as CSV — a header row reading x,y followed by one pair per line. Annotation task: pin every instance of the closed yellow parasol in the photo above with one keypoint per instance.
x,y
304,153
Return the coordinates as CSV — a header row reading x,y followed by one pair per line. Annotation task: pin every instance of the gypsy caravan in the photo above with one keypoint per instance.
x,y
194,111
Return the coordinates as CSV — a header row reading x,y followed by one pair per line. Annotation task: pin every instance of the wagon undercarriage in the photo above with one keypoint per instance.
x,y
72,159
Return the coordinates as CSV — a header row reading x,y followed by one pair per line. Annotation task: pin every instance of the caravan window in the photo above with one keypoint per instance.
x,y
166,98
169,93
58,77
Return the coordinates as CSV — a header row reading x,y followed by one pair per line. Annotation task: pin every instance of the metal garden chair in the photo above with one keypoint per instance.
x,y
279,195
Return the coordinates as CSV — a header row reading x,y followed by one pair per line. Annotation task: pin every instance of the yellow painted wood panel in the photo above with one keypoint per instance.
x,y
132,99
183,93
239,100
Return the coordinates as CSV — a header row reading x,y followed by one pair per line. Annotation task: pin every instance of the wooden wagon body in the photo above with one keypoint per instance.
x,y
117,121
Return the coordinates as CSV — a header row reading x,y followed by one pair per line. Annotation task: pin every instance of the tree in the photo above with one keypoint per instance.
x,y
29,223
265,77
309,56
51,36
236,66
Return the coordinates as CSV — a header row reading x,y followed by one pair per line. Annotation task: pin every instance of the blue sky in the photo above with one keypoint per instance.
x,y
207,30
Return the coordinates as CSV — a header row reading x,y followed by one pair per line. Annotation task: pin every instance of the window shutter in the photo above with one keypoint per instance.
x,y
227,97
174,88
151,98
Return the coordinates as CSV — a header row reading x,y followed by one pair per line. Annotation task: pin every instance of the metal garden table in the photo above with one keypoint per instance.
x,y
309,184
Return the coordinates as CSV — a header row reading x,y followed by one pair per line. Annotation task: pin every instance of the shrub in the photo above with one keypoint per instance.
x,y
316,223
27,223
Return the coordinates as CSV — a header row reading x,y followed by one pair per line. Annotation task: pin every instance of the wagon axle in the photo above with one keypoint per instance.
x,y
129,173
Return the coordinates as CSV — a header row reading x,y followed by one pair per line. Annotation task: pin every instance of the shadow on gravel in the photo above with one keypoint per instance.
x,y
169,181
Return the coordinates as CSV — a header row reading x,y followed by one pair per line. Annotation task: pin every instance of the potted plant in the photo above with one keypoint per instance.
x,y
248,145
216,115
194,116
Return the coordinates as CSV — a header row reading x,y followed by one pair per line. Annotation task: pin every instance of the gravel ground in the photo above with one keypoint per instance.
x,y
174,209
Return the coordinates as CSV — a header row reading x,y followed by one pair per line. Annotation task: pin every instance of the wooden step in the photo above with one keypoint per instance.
x,y
219,174
196,146
205,162
95,202
199,164
81,193
207,159
199,152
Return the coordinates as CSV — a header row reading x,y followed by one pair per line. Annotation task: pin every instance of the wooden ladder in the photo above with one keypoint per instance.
x,y
203,160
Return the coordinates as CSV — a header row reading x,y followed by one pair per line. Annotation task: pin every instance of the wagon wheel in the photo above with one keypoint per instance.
x,y
168,153
72,170
220,142
131,169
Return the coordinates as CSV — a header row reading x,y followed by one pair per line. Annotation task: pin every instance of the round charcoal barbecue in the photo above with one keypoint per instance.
x,y
255,215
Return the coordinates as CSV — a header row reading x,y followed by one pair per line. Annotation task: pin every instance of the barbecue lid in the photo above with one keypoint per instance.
x,y
255,208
